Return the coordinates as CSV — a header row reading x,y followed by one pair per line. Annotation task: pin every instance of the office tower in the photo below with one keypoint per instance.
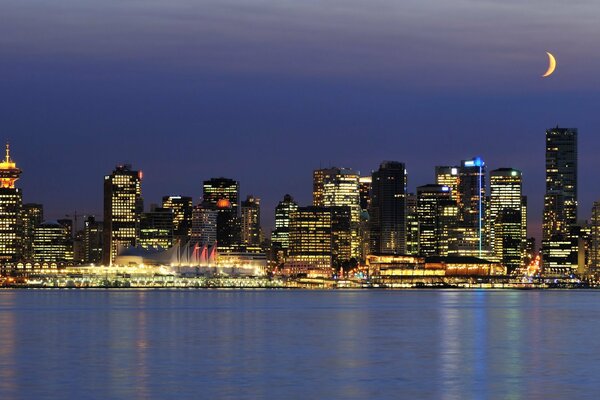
x,y
52,244
251,233
388,209
11,200
223,195
448,176
412,225
365,183
204,225
182,216
156,228
319,237
471,199
339,187
32,215
123,206
560,202
595,238
280,238
506,217
437,216
92,240
68,224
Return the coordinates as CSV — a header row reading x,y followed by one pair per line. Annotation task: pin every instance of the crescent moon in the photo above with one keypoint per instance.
x,y
551,65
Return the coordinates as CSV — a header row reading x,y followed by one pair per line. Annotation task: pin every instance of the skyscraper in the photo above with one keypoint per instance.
x,y
11,200
32,216
388,209
448,176
339,187
204,225
412,225
506,217
280,238
52,244
222,194
92,240
471,206
595,238
122,208
437,216
365,183
559,245
156,228
182,216
251,232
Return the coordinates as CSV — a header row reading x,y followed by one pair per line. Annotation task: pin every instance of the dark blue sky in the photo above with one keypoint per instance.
x,y
266,91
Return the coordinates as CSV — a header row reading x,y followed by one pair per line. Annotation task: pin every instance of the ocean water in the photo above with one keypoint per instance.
x,y
288,344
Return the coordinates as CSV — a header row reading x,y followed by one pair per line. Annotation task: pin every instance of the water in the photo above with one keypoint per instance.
x,y
299,344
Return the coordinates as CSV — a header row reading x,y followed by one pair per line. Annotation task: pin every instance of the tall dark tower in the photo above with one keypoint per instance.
x,y
559,242
223,195
122,209
388,209
471,206
11,202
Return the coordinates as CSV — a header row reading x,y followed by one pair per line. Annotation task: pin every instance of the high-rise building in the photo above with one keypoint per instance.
x,y
156,228
222,194
92,240
560,202
11,200
412,225
448,176
339,187
204,225
32,216
251,231
280,238
471,205
387,214
182,216
123,206
595,238
437,217
506,217
365,183
52,244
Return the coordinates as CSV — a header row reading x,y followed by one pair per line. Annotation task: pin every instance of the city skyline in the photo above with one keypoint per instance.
x,y
317,83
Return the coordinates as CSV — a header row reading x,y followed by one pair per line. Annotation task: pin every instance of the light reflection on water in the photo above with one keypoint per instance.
x,y
298,344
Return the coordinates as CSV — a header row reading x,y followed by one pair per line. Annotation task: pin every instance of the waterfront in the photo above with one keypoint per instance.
x,y
298,344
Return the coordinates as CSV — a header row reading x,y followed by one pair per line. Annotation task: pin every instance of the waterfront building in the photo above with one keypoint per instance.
x,y
560,202
387,214
222,194
92,240
437,216
11,201
471,197
506,217
123,206
204,225
32,215
280,238
182,207
448,176
52,244
339,187
251,231
156,228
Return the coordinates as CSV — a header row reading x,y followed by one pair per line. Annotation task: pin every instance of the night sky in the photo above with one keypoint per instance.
x,y
265,91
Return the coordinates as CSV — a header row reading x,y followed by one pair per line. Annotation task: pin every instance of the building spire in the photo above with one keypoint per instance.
x,y
7,159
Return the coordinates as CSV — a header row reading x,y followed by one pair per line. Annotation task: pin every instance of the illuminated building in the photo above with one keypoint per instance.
x,y
560,202
339,187
365,183
412,225
251,233
471,207
506,217
204,225
223,195
123,206
319,237
156,228
52,243
32,216
595,238
447,176
387,214
280,238
92,240
11,200
437,216
182,216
